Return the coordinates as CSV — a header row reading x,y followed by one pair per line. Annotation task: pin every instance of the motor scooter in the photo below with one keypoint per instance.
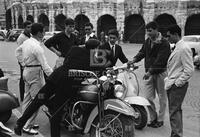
x,y
95,109
8,100
125,75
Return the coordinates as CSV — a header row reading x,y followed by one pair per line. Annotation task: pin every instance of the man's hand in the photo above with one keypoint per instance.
x,y
58,53
146,76
131,62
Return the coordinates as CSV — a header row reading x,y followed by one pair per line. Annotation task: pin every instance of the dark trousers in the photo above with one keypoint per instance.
x,y
21,84
175,98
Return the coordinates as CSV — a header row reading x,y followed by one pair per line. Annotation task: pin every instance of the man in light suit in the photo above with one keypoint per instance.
x,y
180,68
115,50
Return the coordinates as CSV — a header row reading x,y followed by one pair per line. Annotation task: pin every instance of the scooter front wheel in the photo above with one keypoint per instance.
x,y
113,125
141,121
5,116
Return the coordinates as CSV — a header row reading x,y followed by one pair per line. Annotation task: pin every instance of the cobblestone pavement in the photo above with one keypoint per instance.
x,y
191,105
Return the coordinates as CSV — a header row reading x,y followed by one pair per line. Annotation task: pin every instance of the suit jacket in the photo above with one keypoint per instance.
x,y
155,56
118,54
180,65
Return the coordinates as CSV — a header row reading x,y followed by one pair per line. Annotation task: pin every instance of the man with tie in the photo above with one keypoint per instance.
x,y
115,51
155,51
179,68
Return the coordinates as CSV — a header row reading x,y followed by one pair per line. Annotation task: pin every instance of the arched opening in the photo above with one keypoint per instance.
x,y
164,21
105,23
20,22
192,26
44,20
30,18
80,21
8,19
134,29
60,22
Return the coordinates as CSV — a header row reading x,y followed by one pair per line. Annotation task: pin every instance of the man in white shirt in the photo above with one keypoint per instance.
x,y
89,34
31,56
179,68
26,34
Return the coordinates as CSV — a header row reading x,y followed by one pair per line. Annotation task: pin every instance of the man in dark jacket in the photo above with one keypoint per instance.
x,y
114,49
155,51
59,83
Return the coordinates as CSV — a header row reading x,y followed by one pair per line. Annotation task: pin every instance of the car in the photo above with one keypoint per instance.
x,y
49,34
194,43
14,34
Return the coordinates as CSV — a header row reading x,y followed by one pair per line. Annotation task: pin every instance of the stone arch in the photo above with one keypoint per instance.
x,y
164,21
134,29
80,21
60,22
30,18
192,26
8,19
20,22
105,23
44,20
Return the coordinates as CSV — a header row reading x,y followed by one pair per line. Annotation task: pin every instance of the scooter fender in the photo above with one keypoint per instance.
x,y
137,100
8,101
110,104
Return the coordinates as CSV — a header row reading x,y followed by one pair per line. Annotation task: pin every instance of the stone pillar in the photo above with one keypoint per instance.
x,y
24,12
13,16
35,15
16,18
51,18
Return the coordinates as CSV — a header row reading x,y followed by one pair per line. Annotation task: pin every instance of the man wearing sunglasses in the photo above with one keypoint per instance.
x,y
155,51
88,33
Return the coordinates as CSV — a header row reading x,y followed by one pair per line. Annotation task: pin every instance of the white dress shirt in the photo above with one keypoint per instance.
x,y
88,36
32,53
22,37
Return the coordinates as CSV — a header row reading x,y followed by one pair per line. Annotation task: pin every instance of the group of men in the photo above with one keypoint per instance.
x,y
166,73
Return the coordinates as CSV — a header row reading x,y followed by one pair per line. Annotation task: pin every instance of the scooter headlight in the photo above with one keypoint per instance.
x,y
119,90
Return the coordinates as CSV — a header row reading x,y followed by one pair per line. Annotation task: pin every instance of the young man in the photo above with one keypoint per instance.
x,y
179,68
62,42
22,37
88,33
59,83
155,51
115,50
31,57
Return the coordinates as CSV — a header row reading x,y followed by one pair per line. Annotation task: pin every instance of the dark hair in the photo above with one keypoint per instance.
x,y
26,23
113,32
152,25
174,29
69,21
89,24
37,27
92,44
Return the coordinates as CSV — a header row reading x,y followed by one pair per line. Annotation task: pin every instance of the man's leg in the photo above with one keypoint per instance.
x,y
162,95
21,84
41,98
175,98
150,95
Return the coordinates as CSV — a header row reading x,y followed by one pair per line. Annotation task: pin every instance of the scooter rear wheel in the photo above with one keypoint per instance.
x,y
5,116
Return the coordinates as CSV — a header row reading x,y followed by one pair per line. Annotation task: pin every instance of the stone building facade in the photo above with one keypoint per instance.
x,y
127,16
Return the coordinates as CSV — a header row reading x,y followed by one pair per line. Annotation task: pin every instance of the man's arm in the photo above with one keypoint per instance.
x,y
188,67
19,55
122,56
51,44
140,55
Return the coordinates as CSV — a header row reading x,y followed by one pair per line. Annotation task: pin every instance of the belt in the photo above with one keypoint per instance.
x,y
33,66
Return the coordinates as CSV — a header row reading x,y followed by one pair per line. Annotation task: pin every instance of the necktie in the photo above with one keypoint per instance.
x,y
113,50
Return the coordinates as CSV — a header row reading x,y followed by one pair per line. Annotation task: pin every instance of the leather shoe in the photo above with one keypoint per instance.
x,y
18,130
35,126
30,131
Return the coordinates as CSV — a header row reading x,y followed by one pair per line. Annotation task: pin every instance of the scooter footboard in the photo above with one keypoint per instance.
x,y
110,104
137,100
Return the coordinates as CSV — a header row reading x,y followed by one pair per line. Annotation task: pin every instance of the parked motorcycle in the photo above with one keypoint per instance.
x,y
124,75
8,101
96,110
